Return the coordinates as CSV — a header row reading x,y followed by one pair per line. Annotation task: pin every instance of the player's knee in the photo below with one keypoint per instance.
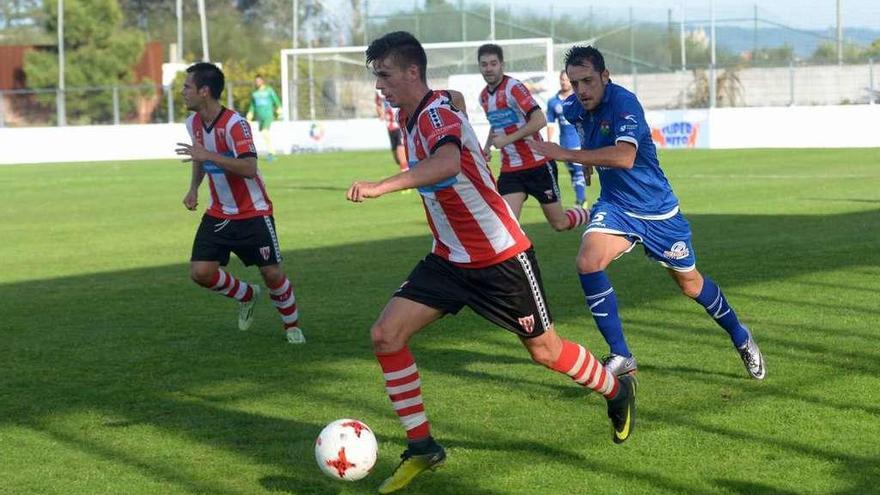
x,y
384,338
545,349
542,355
201,276
560,224
272,275
589,264
690,288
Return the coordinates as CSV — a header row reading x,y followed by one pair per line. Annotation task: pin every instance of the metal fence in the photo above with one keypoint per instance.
x,y
105,105
685,57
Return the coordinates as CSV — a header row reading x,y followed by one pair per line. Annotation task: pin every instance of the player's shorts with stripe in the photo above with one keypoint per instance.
x,y
540,183
253,240
395,139
509,294
667,241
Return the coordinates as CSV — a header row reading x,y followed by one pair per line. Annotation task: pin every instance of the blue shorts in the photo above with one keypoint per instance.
x,y
667,241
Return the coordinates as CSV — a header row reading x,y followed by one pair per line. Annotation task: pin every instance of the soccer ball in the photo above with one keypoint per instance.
x,y
346,449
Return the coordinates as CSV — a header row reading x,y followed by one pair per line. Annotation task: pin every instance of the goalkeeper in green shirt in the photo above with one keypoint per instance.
x,y
265,106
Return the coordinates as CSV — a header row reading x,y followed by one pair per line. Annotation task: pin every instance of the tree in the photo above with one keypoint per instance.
x,y
773,57
18,21
98,53
826,53
873,51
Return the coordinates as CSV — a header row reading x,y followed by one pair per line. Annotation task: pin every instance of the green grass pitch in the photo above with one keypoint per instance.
x,y
119,375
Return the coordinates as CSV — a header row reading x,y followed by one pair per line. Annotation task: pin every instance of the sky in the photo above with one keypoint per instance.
x,y
803,14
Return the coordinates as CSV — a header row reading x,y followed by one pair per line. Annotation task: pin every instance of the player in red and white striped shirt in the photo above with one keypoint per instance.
x,y
516,120
481,258
239,215
388,115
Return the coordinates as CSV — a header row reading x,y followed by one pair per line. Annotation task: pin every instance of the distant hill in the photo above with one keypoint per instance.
x,y
740,39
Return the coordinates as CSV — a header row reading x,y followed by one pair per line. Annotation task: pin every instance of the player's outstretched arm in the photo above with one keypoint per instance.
x,y
443,164
537,121
246,167
621,155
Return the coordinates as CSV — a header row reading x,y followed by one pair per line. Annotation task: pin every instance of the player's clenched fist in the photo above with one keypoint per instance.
x,y
191,201
362,190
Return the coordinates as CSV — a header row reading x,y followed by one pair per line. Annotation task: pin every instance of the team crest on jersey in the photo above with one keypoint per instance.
x,y
604,127
221,134
265,251
436,121
678,251
527,323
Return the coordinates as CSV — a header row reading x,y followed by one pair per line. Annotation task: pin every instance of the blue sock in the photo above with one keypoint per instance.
x,y
602,302
578,182
716,305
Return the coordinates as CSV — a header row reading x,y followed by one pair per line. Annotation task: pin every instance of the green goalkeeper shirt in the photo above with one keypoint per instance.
x,y
264,101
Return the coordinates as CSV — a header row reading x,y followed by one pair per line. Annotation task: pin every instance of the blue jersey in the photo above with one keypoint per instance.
x,y
643,191
568,136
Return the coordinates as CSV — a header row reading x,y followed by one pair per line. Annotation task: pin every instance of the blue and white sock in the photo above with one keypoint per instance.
x,y
578,182
713,300
602,302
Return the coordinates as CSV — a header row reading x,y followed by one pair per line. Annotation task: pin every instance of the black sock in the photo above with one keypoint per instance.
x,y
422,446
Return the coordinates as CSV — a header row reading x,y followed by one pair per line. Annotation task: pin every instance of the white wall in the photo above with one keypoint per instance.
x,y
846,126
772,127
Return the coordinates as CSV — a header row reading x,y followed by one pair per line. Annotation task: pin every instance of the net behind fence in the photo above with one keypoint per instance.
x,y
334,83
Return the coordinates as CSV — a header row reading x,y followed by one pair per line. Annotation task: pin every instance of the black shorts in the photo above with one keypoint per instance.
x,y
509,294
253,240
540,183
394,137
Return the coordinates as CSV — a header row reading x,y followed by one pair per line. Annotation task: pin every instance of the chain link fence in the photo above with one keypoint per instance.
x,y
664,55
108,105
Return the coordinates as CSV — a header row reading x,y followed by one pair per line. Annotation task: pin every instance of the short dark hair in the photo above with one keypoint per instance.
x,y
208,74
582,55
402,48
490,49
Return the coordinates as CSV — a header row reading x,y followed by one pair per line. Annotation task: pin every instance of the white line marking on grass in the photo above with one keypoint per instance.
x,y
777,176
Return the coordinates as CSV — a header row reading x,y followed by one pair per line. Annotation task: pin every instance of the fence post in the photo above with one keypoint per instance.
x,y
791,83
712,88
870,87
170,99
635,76
2,109
229,103
311,85
60,108
115,105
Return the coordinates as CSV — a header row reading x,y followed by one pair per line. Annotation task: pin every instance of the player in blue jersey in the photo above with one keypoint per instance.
x,y
636,205
568,138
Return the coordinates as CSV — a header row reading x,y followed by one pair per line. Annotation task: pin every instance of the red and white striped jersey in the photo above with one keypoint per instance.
x,y
472,224
389,113
232,196
508,108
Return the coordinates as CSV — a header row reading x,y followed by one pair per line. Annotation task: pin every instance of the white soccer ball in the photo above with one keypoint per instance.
x,y
346,449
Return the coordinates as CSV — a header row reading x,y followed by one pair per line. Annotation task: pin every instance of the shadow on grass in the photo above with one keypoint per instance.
x,y
146,347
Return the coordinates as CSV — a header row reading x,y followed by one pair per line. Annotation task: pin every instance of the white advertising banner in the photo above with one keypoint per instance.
x,y
671,129
844,126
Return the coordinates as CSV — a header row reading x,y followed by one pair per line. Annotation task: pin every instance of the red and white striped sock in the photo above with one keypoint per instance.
x,y
577,216
404,388
580,364
285,302
229,286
